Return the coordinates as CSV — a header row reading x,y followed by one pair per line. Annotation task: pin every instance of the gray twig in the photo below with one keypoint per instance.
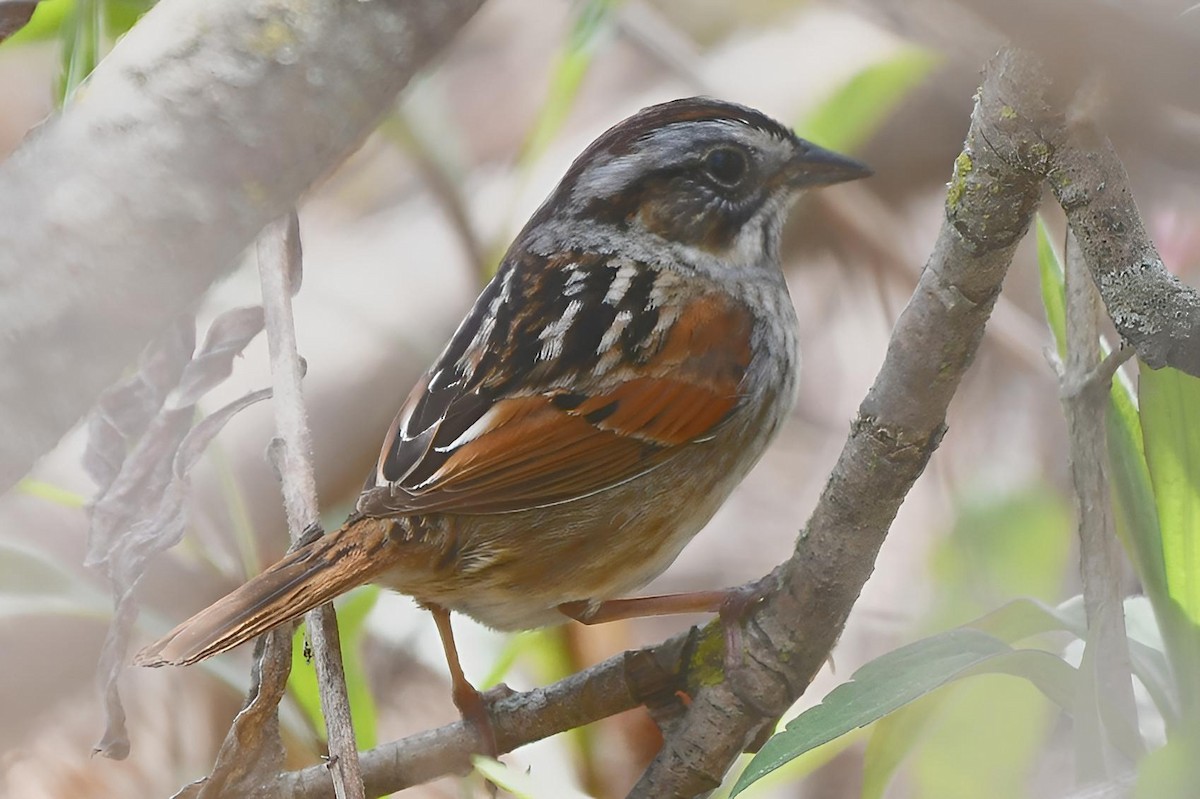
x,y
1151,308
279,262
1086,380
648,676
989,207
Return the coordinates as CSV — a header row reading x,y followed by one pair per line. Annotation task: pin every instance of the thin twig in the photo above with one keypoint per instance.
x,y
650,676
1085,403
279,271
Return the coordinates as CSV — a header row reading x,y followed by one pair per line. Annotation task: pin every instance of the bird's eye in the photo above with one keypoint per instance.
x,y
725,165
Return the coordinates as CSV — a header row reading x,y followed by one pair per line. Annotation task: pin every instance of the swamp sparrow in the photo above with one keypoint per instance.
x,y
615,380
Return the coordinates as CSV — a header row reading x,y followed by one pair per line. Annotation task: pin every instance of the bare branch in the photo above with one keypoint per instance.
x,y
1151,308
989,206
646,676
99,245
279,268
1085,403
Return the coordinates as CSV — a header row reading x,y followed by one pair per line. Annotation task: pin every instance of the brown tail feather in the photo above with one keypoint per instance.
x,y
304,579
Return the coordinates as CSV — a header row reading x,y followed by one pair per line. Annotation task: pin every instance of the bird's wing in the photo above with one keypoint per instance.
x,y
560,384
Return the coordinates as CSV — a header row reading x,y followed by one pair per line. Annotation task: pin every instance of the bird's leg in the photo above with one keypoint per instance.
x,y
641,606
468,700
730,604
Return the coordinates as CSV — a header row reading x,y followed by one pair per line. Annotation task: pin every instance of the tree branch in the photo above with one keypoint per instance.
x,y
1151,308
989,206
648,677
1085,381
195,132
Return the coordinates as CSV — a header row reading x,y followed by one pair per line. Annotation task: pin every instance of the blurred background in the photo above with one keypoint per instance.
x,y
398,241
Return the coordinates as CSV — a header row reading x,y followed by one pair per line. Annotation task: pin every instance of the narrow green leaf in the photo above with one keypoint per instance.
x,y
855,110
1050,269
51,493
1133,494
302,682
82,45
574,61
793,772
514,645
1170,403
878,688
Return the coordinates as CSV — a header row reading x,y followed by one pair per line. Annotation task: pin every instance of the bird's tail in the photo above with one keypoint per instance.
x,y
308,577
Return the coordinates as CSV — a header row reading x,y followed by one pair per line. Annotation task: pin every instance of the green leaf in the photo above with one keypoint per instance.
x,y
1133,494
521,784
51,15
891,682
51,493
302,682
1168,495
46,21
848,118
1170,403
892,739
796,770
1016,543
1050,269
83,46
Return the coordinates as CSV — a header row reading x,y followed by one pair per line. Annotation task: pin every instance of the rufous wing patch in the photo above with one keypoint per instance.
x,y
560,444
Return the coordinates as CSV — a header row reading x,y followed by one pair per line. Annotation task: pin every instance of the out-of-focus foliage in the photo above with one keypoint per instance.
x,y
52,16
302,680
34,585
593,19
848,118
86,29
522,784
51,493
